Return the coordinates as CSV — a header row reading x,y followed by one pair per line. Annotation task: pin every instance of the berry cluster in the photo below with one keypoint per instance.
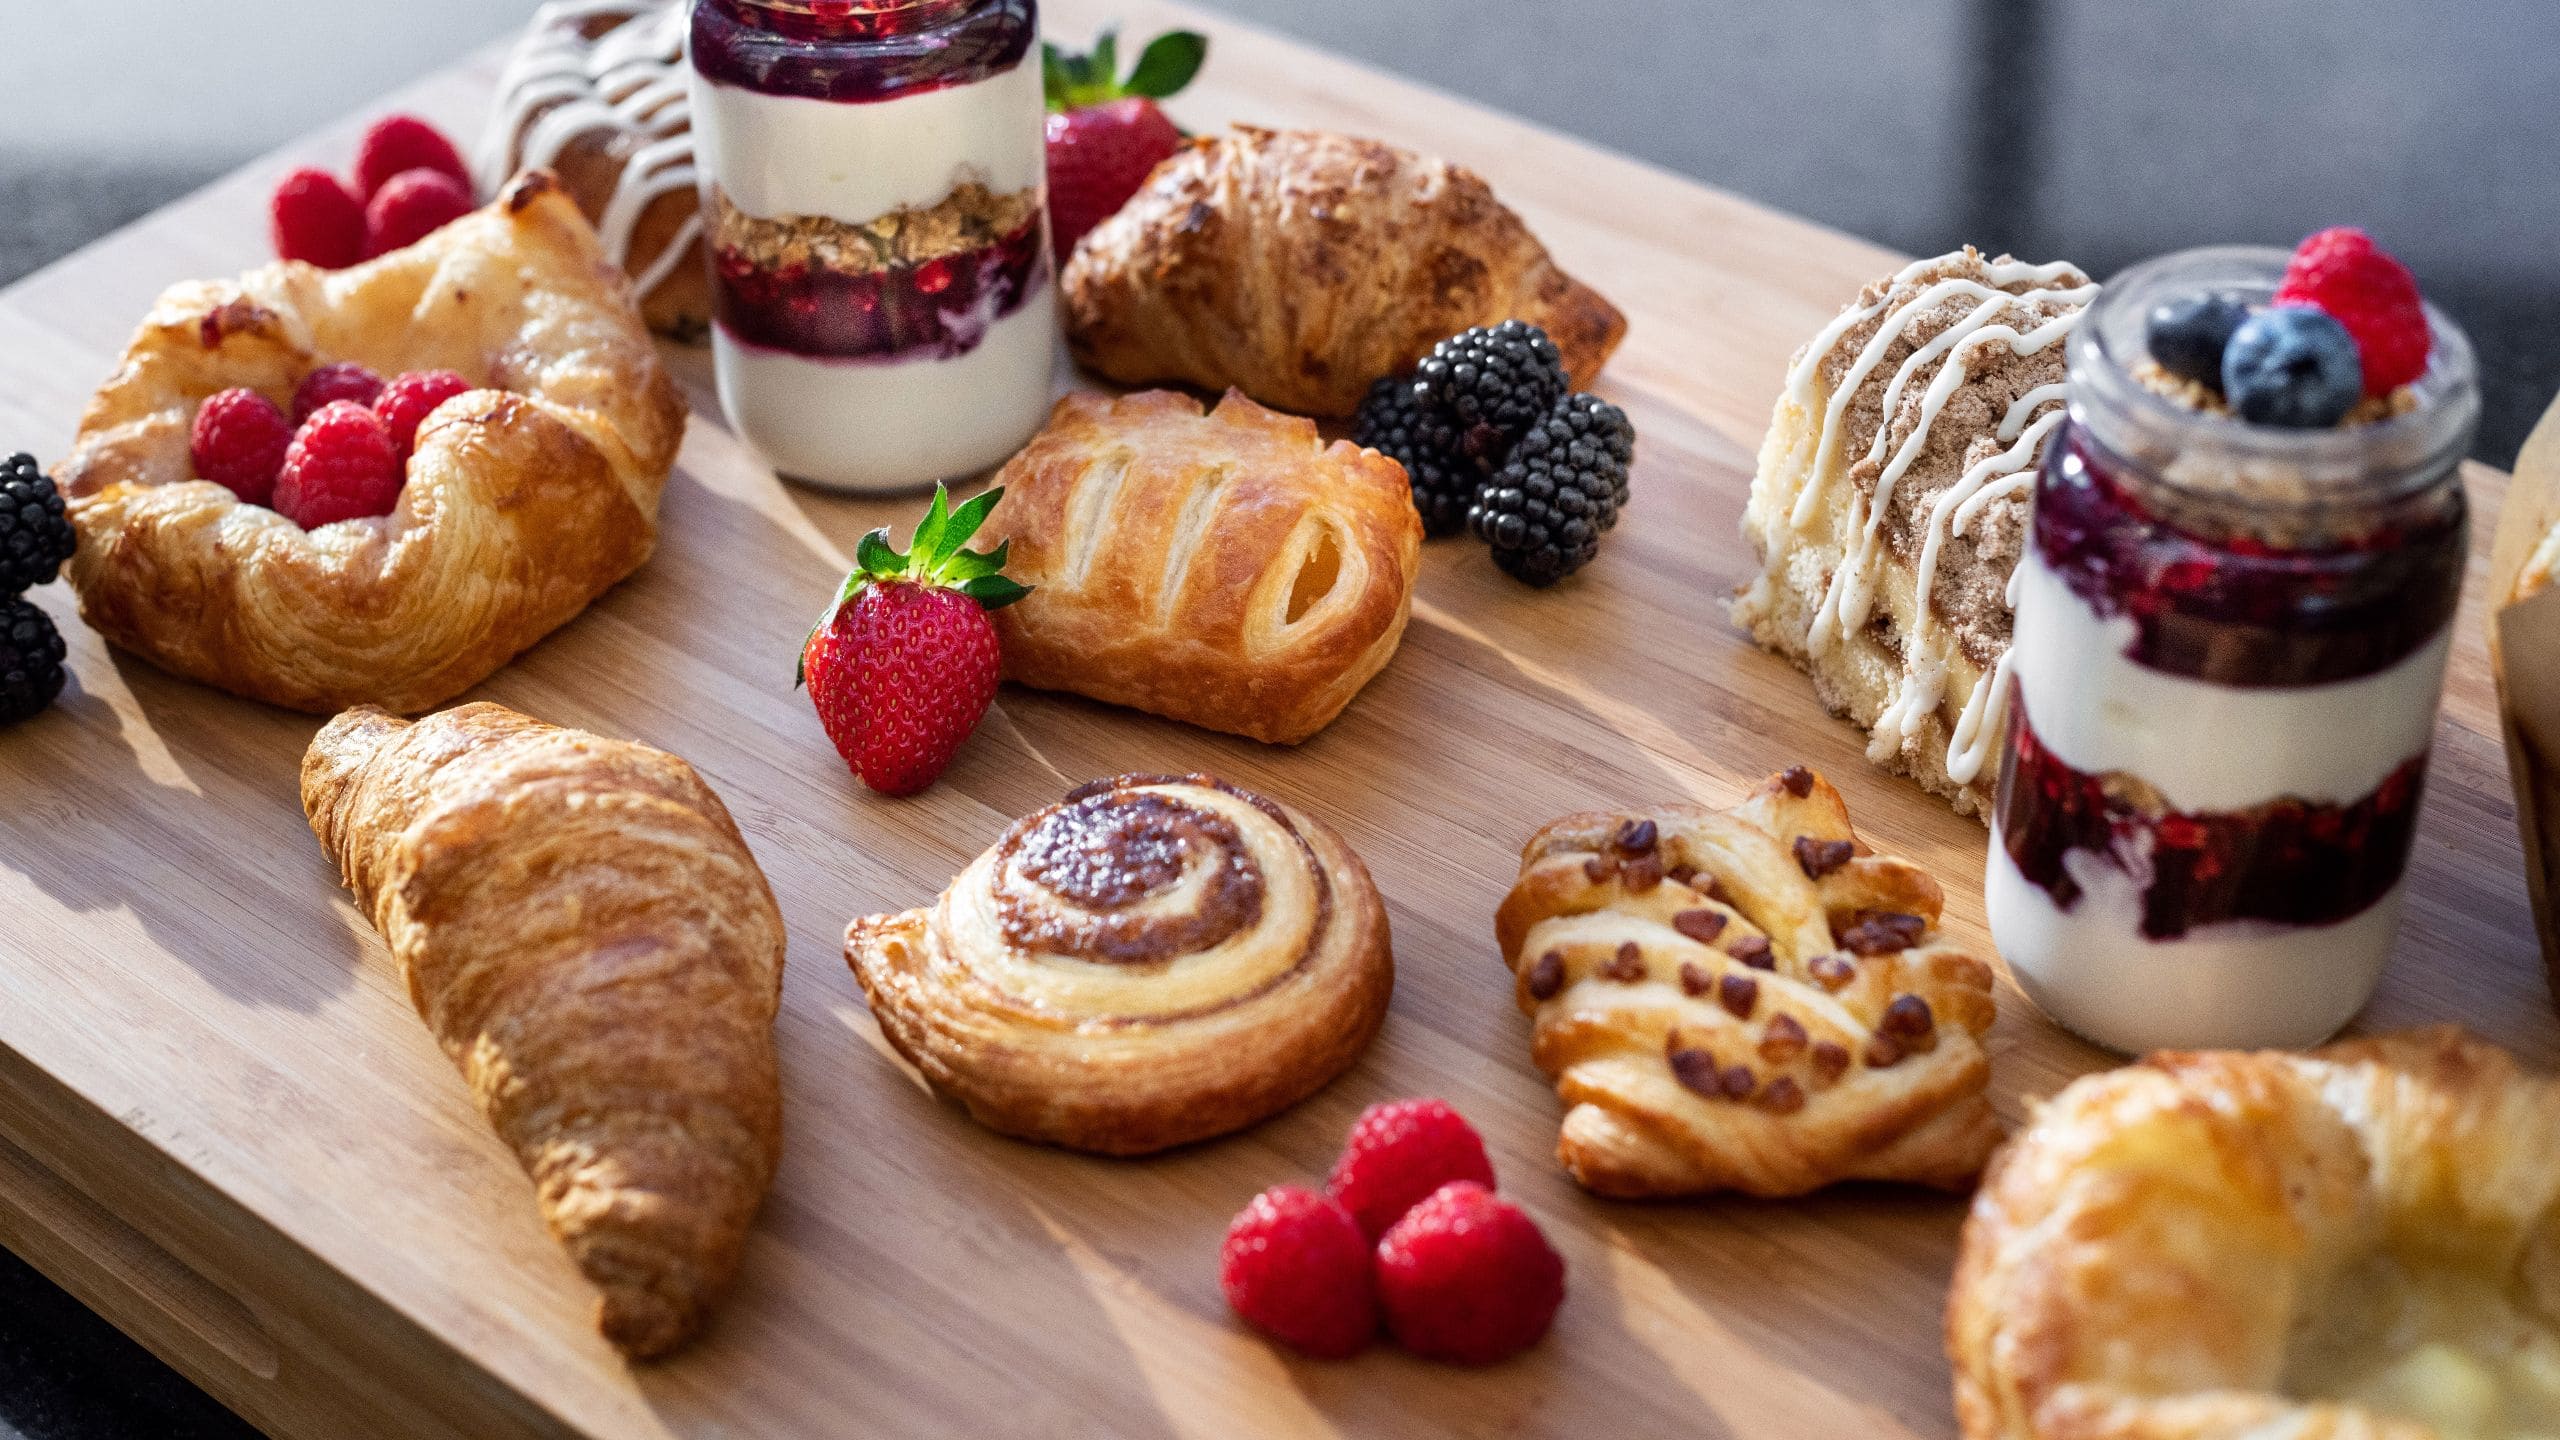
x,y
409,182
2347,324
35,538
1408,1232
344,452
1494,442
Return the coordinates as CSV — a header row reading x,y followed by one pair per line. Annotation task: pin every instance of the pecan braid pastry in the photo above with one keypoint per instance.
x,y
1299,267
1152,961
1747,1000
2361,1243
581,926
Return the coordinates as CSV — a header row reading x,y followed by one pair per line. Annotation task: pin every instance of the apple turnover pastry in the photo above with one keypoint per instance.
x,y
2360,1242
1747,1000
1228,569
581,926
1891,505
1299,267
1152,961
526,498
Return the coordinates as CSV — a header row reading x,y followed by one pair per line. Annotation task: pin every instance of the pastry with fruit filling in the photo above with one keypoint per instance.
x,y
1748,1000
2359,1242
1891,505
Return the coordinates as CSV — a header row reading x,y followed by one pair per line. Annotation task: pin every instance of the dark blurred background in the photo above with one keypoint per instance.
x,y
2098,131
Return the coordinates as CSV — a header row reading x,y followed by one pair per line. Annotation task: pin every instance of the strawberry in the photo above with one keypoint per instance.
x,y
904,663
1106,134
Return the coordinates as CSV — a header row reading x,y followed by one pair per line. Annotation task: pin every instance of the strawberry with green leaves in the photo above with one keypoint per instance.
x,y
904,663
1105,133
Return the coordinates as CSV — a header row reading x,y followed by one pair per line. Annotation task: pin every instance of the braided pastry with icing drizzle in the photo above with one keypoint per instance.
x,y
1747,1000
1152,961
595,93
1891,505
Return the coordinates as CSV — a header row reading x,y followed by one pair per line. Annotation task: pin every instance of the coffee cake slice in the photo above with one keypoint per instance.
x,y
1891,503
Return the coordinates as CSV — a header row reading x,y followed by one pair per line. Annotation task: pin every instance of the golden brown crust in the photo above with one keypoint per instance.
x,y
1230,569
1300,266
1747,1000
1153,961
524,501
2139,1260
589,939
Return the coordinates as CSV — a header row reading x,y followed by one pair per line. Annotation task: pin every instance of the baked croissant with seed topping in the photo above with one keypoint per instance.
x,y
1154,960
1747,1000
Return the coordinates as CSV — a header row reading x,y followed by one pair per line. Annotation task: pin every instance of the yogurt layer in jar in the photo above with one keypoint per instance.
x,y
874,178
2229,652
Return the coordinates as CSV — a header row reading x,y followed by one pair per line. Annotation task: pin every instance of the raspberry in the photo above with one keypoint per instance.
x,y
341,466
315,218
344,380
1466,1277
2343,272
399,143
1296,1267
407,402
239,442
1400,1152
411,206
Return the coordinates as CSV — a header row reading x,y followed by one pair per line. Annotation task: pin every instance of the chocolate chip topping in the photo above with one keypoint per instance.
x,y
1739,994
1695,1070
1546,977
1681,874
1797,780
1821,857
1702,926
1907,1018
1627,966
1737,1082
1830,1061
1783,1039
1783,1097
1694,981
1636,837
1883,1052
1642,872
1754,951
1883,933
1068,874
1831,972
1598,869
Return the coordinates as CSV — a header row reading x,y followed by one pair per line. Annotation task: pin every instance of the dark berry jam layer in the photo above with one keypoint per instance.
x,y
860,51
931,309
2286,862
2236,610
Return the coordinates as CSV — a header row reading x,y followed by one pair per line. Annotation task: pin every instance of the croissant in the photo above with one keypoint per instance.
x,y
1300,267
1230,570
1747,1000
583,929
1154,960
2362,1243
524,501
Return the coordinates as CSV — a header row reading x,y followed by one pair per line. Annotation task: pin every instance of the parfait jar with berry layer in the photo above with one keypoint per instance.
x,y
874,173
2229,651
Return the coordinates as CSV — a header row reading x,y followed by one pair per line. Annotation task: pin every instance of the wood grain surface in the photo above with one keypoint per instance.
x,y
222,1125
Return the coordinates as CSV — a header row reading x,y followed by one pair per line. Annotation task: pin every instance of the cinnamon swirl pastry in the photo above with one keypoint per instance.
x,y
1748,1000
1152,961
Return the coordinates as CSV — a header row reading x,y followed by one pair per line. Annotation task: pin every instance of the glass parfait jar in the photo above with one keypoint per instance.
x,y
2230,647
874,181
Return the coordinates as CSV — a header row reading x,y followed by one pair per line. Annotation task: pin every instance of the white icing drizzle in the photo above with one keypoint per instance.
x,y
629,81
1849,598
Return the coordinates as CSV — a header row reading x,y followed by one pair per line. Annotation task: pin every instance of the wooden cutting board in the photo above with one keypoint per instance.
x,y
222,1126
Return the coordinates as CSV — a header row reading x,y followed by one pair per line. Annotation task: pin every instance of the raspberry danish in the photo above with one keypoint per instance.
x,y
1747,1000
1152,961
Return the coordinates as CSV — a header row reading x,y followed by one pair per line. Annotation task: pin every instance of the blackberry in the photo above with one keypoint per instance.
x,y
1545,512
1393,423
1487,386
35,536
30,660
